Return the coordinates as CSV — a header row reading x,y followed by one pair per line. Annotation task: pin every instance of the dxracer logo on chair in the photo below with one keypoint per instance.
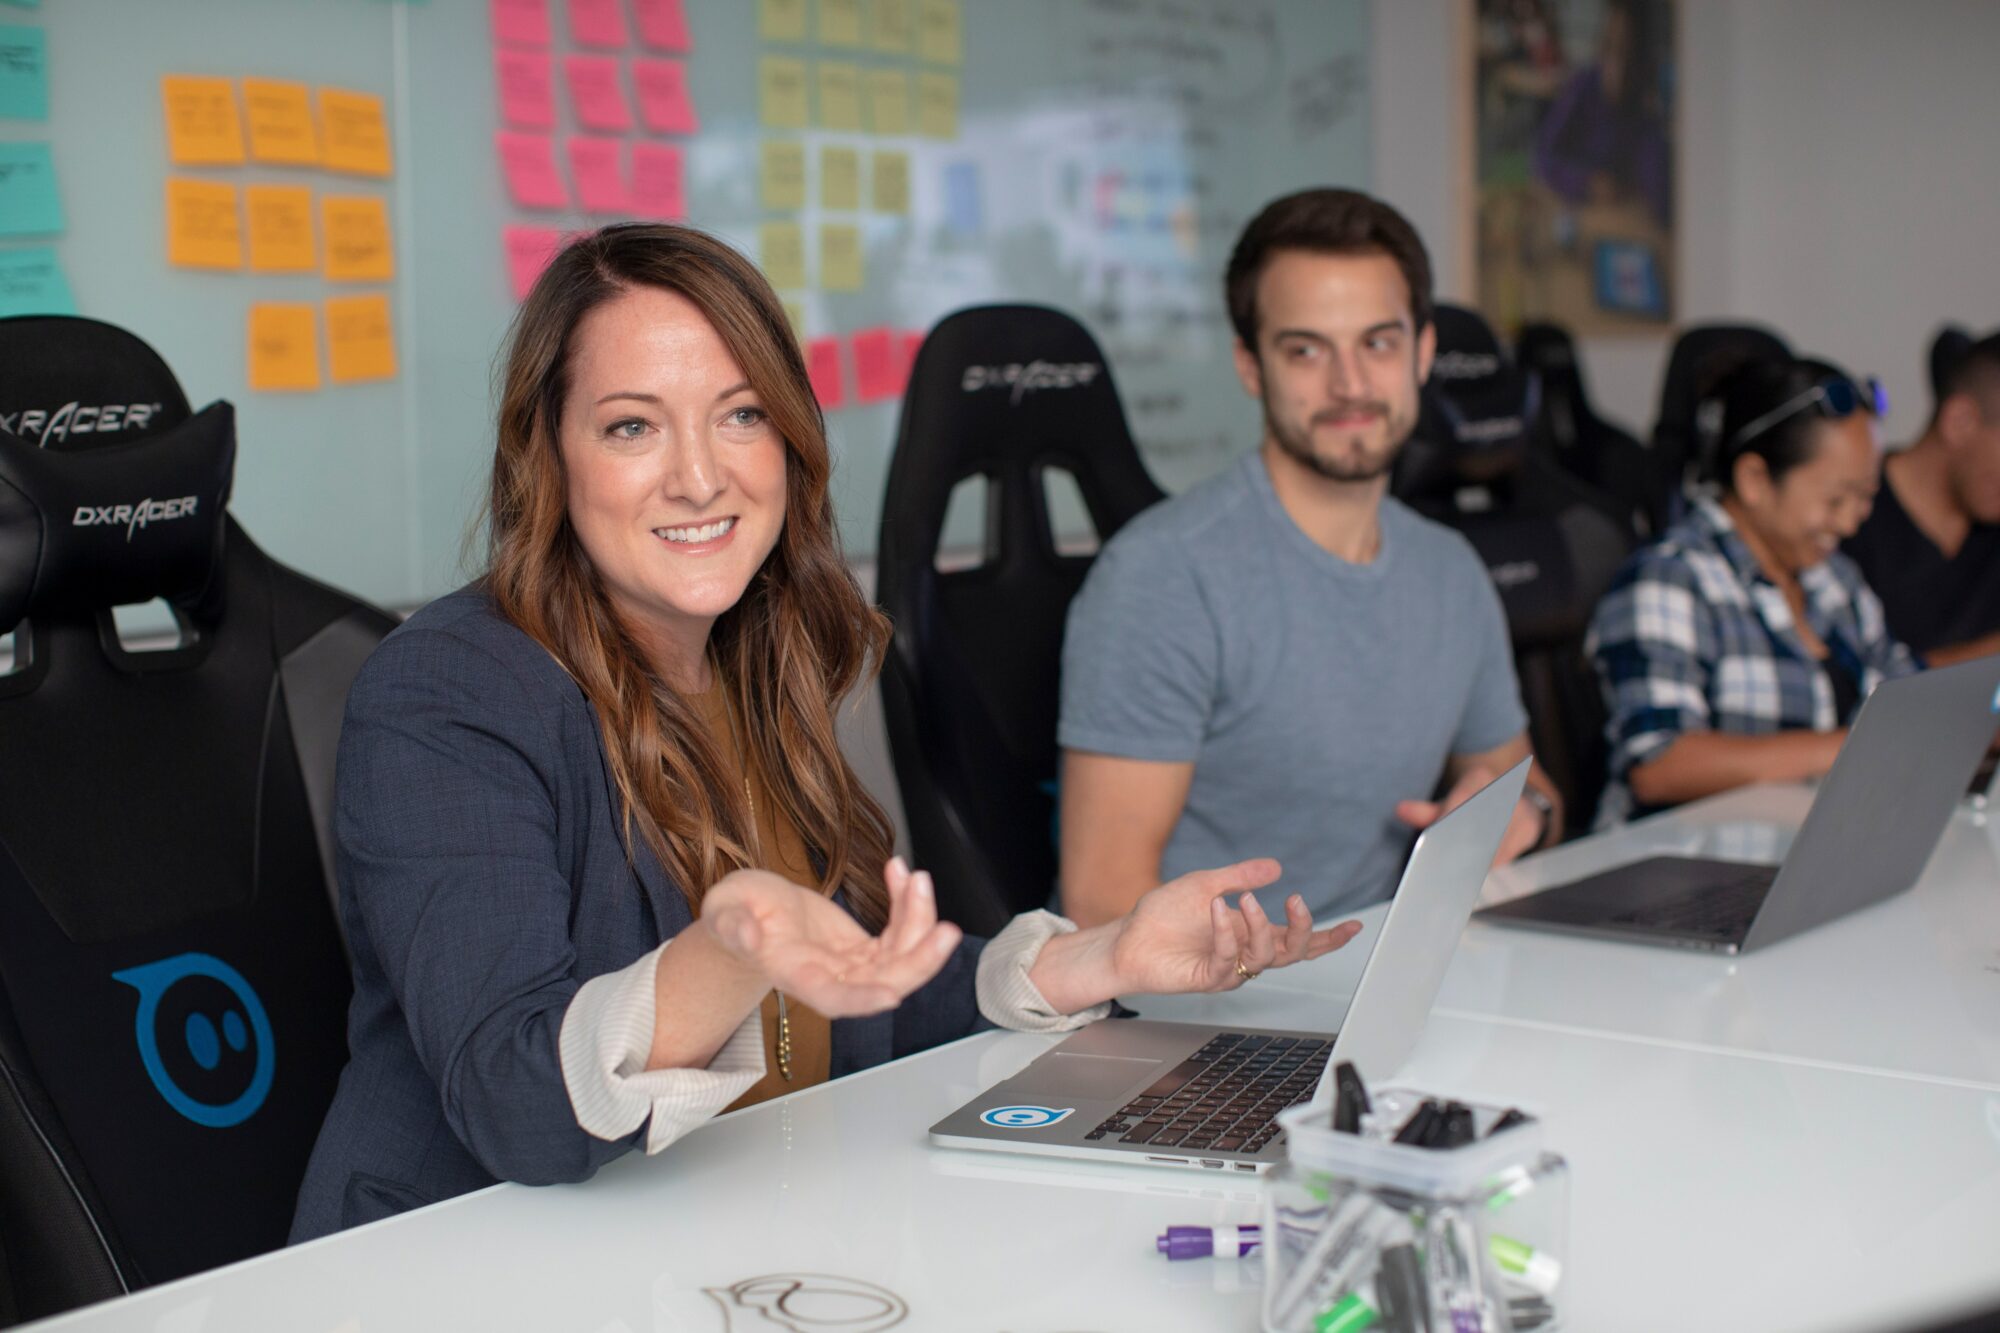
x,y
203,1036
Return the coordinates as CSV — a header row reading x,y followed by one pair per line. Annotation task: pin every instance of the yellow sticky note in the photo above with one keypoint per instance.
x,y
353,133
782,174
840,257
781,20
889,25
839,95
281,122
281,228
795,315
358,246
360,339
284,346
840,22
889,180
839,178
782,246
937,105
939,37
781,92
202,126
202,227
888,101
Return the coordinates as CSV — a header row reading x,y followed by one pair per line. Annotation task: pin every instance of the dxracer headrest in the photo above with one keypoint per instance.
x,y
1477,411
69,383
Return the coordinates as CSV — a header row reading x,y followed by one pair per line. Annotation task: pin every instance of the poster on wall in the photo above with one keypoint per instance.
x,y
1573,162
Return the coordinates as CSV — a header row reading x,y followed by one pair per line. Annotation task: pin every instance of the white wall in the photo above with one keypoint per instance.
x,y
1838,177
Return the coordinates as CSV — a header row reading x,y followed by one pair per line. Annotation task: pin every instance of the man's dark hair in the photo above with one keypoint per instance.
x,y
1961,365
1324,221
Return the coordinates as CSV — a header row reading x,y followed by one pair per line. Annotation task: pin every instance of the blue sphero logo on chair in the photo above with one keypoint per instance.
x,y
1024,1117
203,1036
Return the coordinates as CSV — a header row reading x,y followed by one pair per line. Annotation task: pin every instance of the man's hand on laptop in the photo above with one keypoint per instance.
x,y
1184,935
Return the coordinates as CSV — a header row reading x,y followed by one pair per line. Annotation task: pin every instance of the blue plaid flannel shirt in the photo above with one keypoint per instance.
x,y
1692,636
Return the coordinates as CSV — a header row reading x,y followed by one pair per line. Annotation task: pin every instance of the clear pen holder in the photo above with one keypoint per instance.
x,y
1361,1232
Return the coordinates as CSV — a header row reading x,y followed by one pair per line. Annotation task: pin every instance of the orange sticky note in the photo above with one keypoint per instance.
x,y
281,228
202,227
281,122
528,161
358,245
658,189
353,133
360,339
527,89
202,126
594,93
664,102
529,250
284,346
595,166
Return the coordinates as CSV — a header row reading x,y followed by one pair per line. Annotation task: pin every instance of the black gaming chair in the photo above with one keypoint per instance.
x,y
1551,543
1606,457
173,988
1679,441
970,687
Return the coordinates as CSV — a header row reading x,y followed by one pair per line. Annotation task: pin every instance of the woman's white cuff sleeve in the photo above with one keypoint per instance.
x,y
1006,996
607,1035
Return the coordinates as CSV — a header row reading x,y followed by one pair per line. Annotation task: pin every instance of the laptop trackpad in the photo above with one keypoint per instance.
x,y
1082,1076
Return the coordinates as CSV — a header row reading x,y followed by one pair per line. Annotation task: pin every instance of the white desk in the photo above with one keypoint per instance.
x,y
1724,1175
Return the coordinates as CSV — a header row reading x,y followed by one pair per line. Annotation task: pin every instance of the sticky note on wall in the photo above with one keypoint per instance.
x,y
781,174
937,105
280,222
202,125
32,283
876,366
823,369
24,73
597,23
889,183
521,22
529,250
840,22
888,101
283,346
528,162
663,25
664,101
840,266
595,94
281,122
353,134
939,38
596,166
781,252
526,82
781,20
203,229
360,339
889,25
781,92
658,188
358,243
839,178
29,203
839,95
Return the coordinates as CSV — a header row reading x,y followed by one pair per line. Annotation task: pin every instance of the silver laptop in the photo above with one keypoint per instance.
x,y
1872,826
1199,1095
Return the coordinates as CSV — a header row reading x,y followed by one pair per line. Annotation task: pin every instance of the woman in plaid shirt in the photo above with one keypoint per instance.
x,y
1738,647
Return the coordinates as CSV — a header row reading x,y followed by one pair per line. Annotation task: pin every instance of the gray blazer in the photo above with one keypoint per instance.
x,y
483,880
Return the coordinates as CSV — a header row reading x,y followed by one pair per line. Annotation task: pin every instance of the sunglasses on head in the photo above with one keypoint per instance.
x,y
1835,398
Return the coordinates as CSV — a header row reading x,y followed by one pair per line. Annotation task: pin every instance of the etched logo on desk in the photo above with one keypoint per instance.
x,y
1024,1117
204,1037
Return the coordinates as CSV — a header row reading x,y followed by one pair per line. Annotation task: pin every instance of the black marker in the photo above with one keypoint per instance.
x,y
1350,1098
1509,1118
1421,1127
1455,1127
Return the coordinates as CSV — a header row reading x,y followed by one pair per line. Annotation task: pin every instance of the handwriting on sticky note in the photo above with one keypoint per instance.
x,y
782,174
888,101
280,222
823,369
353,135
839,178
663,25
202,125
279,115
596,23
527,89
528,163
889,183
781,20
529,250
24,73
939,36
840,265
29,202
595,94
840,22
658,186
937,105
203,229
360,339
32,283
664,101
521,22
781,92
358,244
781,252
889,24
596,165
283,346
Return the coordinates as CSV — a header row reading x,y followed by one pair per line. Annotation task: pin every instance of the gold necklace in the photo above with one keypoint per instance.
x,y
757,851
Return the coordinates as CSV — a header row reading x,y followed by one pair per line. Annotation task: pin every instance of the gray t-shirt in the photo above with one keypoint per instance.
x,y
1311,694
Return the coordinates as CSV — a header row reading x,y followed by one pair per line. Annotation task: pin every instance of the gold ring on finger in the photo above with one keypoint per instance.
x,y
1243,972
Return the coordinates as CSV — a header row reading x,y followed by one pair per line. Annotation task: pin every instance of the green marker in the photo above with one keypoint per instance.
x,y
1350,1314
1525,1264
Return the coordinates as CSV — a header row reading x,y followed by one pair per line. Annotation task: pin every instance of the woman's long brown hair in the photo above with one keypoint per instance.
x,y
799,640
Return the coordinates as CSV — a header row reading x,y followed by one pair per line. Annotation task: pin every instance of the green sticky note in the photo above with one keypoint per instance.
x,y
24,73
32,283
25,4
29,205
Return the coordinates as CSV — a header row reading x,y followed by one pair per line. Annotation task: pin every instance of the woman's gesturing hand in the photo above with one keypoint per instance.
x,y
1185,936
807,946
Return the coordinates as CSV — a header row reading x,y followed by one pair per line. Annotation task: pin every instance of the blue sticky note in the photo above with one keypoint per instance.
x,y
28,202
962,212
32,283
24,73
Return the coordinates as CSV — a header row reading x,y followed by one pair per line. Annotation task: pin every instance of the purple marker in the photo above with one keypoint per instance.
x,y
1200,1242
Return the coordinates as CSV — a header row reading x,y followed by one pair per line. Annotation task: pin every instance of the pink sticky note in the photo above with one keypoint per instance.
x,y
596,23
595,94
527,89
529,250
658,189
907,347
663,25
521,22
875,365
664,102
596,165
823,368
529,163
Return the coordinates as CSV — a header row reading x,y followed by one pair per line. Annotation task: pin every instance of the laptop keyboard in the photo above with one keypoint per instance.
x,y
1223,1098
1725,909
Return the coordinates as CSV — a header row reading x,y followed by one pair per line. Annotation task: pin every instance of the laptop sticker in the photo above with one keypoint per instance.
x,y
1024,1117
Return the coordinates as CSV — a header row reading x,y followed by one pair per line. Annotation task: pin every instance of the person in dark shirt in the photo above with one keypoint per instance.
x,y
1931,547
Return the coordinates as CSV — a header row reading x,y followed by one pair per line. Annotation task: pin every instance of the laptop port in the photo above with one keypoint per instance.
x,y
1211,1164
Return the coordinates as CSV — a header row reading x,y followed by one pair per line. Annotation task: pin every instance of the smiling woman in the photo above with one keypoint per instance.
x,y
599,850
